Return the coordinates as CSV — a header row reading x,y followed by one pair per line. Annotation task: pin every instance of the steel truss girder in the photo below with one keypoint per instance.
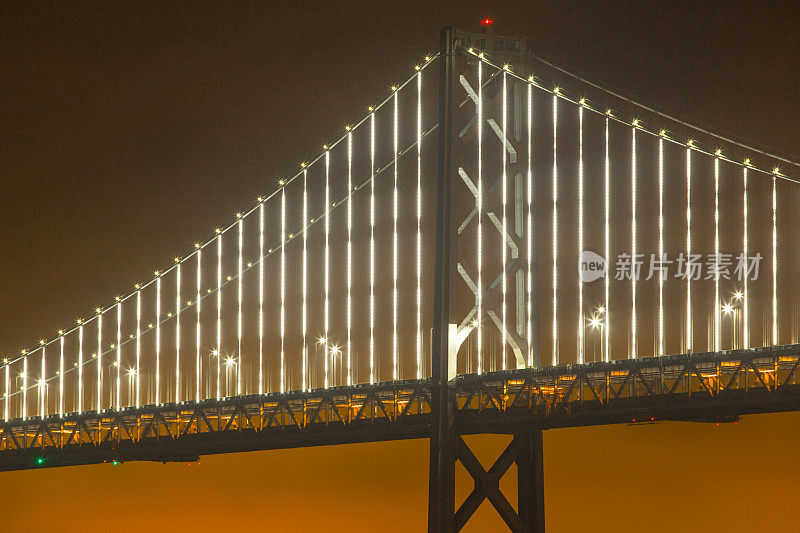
x,y
700,387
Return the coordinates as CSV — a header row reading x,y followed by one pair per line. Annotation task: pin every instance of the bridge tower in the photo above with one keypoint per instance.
x,y
467,296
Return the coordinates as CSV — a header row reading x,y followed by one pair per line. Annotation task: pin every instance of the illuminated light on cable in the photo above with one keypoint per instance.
x,y
158,337
744,293
503,244
283,289
529,303
419,225
774,258
138,342
349,280
479,207
581,324
42,389
178,332
371,248
239,311
633,240
487,22
7,395
99,361
688,347
119,351
80,368
661,243
555,227
197,328
327,260
60,374
261,298
25,387
395,340
717,325
305,277
219,314
607,244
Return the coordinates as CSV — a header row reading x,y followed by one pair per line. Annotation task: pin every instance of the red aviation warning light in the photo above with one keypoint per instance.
x,y
487,22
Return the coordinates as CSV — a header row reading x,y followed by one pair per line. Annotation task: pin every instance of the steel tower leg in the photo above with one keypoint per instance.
x,y
443,452
446,445
530,481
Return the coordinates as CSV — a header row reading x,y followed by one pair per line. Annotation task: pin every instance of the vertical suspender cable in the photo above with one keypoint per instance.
x,y
138,342
349,273
634,269
158,336
660,245
261,297
479,207
24,387
8,393
197,330
607,243
774,261
80,368
529,303
99,362
239,311
555,227
305,279
178,333
283,289
219,313
745,295
395,341
503,243
42,385
581,322
119,354
688,347
60,378
419,225
327,261
717,328
372,248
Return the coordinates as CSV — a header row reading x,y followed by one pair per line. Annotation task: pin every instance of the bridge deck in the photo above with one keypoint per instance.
x,y
709,387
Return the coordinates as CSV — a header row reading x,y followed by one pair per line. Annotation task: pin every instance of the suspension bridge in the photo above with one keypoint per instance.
x,y
498,246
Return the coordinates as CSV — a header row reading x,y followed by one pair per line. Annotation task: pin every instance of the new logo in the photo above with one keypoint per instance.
x,y
593,266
